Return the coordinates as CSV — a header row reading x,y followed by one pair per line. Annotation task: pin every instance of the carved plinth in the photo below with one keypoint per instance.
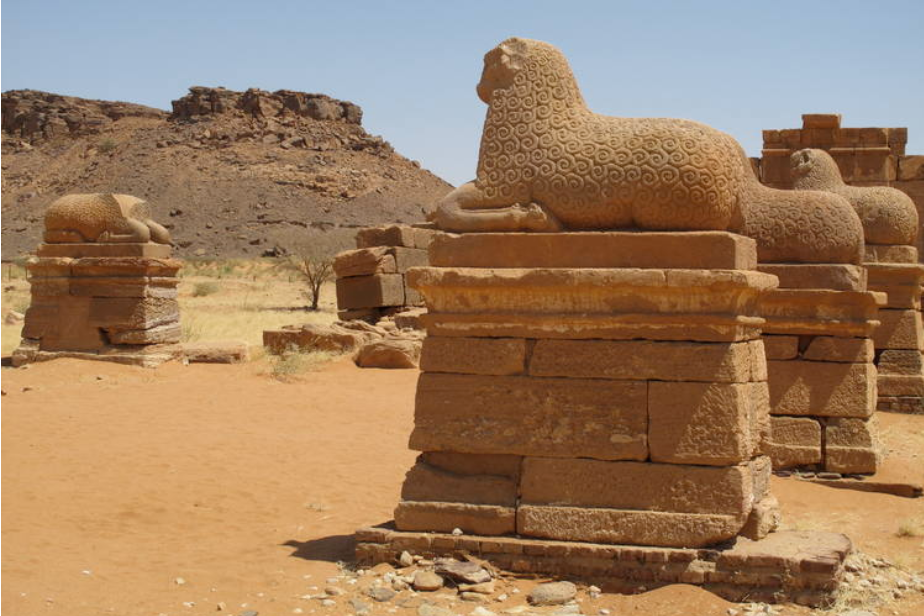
x,y
111,302
900,338
541,384
820,364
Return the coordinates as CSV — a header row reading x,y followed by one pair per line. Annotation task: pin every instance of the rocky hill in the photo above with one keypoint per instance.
x,y
231,174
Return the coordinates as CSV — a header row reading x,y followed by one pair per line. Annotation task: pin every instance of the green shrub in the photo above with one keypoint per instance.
x,y
209,287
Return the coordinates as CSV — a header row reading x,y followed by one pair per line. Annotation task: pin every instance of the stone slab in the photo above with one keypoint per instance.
x,y
912,405
899,329
150,249
446,517
714,424
802,567
820,312
370,291
149,356
642,360
559,291
425,482
485,356
682,250
216,352
836,277
606,420
900,385
159,334
822,389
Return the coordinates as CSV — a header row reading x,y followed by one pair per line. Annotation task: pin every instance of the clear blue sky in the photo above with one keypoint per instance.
x,y
740,66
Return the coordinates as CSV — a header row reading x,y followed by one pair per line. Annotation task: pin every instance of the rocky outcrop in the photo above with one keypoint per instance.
x,y
202,101
35,116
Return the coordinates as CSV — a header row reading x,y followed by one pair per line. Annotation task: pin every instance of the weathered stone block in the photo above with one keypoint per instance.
x,y
531,416
370,291
899,329
159,334
846,350
884,253
637,485
705,423
911,168
781,347
486,356
425,482
127,286
836,277
688,250
395,235
132,312
364,262
905,362
656,528
406,258
823,389
445,517
642,360
475,464
77,251
900,385
794,441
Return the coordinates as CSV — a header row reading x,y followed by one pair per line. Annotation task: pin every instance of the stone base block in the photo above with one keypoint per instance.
x,y
885,253
899,329
835,277
822,389
821,312
913,405
803,567
901,385
795,441
145,356
370,291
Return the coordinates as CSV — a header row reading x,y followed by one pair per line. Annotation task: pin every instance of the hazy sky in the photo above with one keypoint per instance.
x,y
740,66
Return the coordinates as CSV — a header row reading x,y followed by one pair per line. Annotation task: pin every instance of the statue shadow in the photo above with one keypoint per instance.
x,y
332,549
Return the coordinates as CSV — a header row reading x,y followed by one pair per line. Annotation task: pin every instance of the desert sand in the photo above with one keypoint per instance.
x,y
203,489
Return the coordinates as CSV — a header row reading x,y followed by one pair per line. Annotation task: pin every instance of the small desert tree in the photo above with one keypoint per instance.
x,y
313,262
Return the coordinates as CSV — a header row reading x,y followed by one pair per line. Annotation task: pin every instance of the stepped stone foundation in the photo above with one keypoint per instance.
x,y
111,302
371,281
899,340
818,340
620,401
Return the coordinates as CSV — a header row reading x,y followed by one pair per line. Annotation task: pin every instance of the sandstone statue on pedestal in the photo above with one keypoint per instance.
x,y
593,375
103,285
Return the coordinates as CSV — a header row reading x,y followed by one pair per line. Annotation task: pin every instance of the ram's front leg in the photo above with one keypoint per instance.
x,y
465,210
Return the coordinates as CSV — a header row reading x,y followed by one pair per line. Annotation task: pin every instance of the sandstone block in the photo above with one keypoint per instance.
x,y
688,250
370,291
410,318
474,464
850,432
851,460
397,353
819,311
822,389
781,347
885,253
794,441
159,334
704,423
530,416
216,352
890,385
104,267
642,360
445,517
364,262
821,120
911,168
848,350
429,483
637,485
486,356
127,286
395,235
406,258
656,528
837,277
758,360
763,519
132,312
62,323
899,329
900,362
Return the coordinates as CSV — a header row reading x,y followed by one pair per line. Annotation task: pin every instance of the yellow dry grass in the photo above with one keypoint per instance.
x,y
219,300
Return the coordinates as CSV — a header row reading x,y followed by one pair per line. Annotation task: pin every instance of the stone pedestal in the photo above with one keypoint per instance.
x,y
899,340
822,377
112,302
605,388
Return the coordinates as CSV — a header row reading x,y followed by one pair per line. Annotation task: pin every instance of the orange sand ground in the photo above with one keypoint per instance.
x,y
118,480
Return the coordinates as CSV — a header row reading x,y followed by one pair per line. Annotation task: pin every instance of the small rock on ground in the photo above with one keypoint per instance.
x,y
427,581
552,593
381,594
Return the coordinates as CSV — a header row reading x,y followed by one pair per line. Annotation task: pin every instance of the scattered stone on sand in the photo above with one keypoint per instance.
x,y
216,352
475,597
333,591
594,592
567,610
328,603
462,572
552,593
405,559
389,353
427,581
481,611
13,318
485,588
360,607
428,609
381,593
